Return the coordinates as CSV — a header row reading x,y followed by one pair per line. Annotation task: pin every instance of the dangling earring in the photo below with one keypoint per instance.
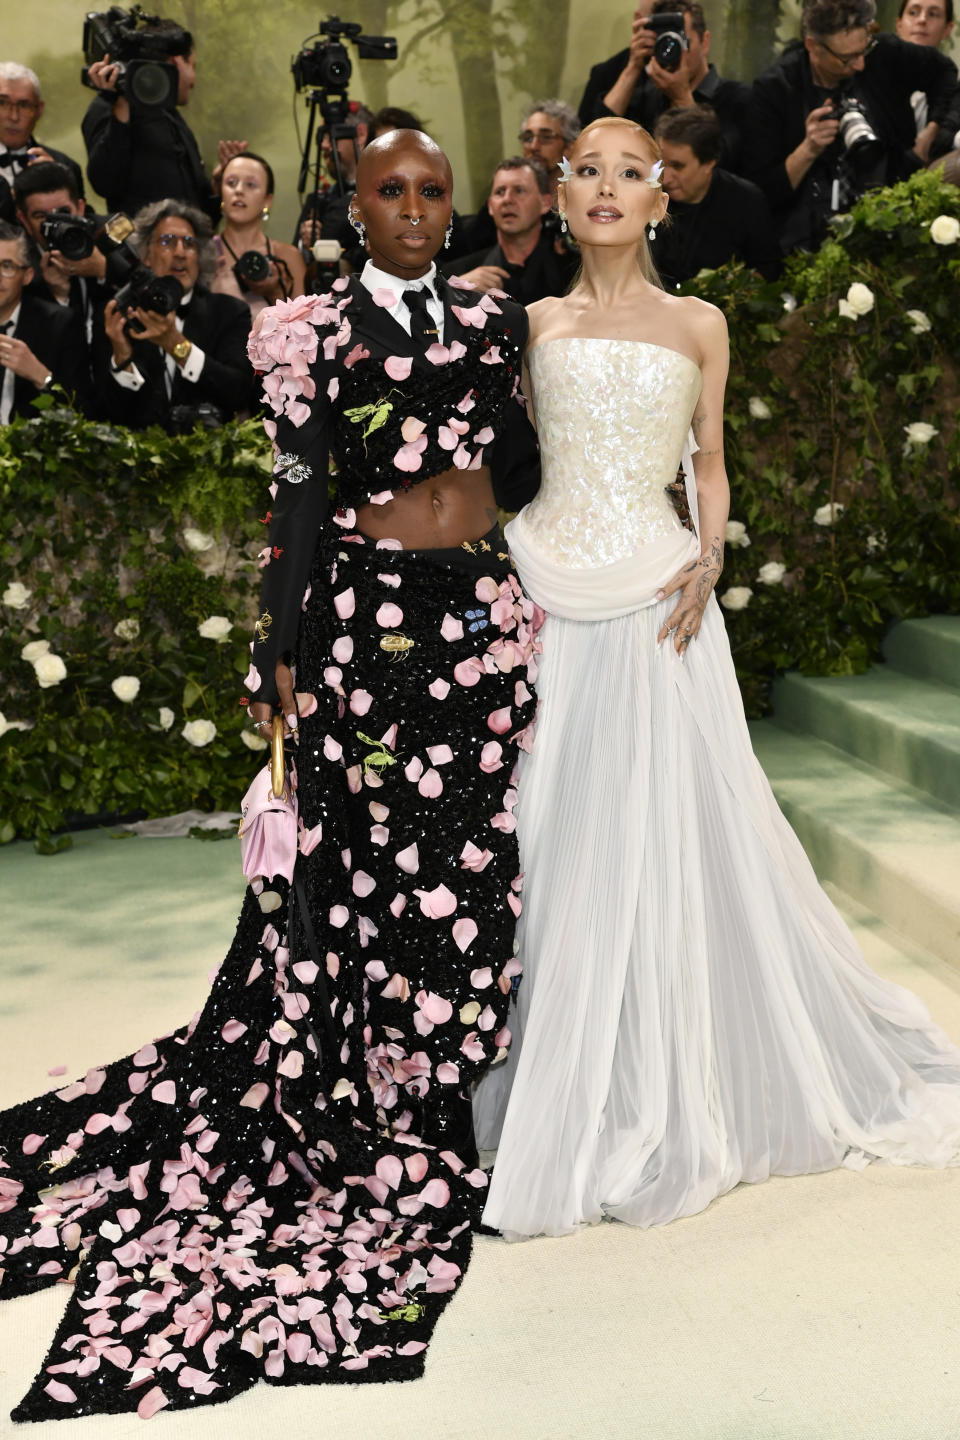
x,y
653,230
447,236
265,214
563,222
358,225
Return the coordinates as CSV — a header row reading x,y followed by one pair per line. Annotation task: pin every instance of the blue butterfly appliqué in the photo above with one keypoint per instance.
x,y
477,620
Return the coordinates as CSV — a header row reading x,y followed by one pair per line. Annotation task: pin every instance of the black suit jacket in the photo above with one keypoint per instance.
x,y
784,95
219,324
8,209
543,273
732,222
154,157
53,333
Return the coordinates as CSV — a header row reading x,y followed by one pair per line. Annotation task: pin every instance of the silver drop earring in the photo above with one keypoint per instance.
x,y
563,222
447,236
653,231
359,226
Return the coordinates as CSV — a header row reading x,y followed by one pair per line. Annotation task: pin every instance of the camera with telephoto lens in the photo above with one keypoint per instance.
x,y
671,38
73,235
856,134
326,65
138,288
184,418
140,51
252,267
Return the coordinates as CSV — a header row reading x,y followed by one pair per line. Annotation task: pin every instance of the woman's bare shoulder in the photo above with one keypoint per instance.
x,y
543,315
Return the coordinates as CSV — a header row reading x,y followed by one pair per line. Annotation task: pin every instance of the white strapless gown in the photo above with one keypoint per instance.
x,y
693,1011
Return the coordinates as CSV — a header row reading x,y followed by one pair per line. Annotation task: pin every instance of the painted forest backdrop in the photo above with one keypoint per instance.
x,y
469,67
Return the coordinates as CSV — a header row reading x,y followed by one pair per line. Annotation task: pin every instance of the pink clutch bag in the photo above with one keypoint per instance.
x,y
268,829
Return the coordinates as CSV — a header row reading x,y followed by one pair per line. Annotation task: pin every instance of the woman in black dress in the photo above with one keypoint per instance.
x,y
286,1189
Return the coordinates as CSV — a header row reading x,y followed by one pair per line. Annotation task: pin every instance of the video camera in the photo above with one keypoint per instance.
x,y
138,286
671,38
141,52
326,65
73,235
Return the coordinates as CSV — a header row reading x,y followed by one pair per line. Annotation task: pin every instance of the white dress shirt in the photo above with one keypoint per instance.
x,y
191,369
373,278
9,379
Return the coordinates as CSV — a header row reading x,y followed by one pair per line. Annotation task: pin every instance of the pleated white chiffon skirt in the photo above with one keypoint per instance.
x,y
693,1011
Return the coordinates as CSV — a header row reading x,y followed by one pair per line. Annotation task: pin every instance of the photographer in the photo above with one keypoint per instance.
x,y
643,87
21,106
525,262
714,216
250,266
40,344
324,215
185,362
833,117
137,152
49,209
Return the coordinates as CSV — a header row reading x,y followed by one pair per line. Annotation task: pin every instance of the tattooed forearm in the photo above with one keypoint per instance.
x,y
705,454
711,568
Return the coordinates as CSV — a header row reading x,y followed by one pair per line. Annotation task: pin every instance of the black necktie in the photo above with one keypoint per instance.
x,y
423,327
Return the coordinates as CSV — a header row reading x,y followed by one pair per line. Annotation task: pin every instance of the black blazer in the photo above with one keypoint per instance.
x,y
219,324
8,209
543,273
732,222
784,95
54,335
154,157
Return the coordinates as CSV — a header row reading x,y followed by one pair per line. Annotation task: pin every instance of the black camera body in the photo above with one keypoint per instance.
x,y
252,266
137,285
671,38
856,134
141,54
184,418
73,235
327,65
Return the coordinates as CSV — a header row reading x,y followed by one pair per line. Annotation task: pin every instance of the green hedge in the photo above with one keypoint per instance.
x,y
100,526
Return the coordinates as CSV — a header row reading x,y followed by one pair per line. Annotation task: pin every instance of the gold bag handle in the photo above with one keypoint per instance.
x,y
277,771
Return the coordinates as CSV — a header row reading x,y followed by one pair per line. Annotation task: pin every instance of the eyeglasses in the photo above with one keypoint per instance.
x,y
849,59
9,268
170,242
19,107
527,137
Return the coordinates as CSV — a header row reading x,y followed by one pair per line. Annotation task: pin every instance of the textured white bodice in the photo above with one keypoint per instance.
x,y
613,417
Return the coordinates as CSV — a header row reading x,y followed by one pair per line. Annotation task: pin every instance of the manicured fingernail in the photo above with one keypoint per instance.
x,y
292,721
659,595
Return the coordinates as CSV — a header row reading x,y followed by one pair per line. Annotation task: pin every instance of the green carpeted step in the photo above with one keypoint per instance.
x,y
907,727
881,843
928,648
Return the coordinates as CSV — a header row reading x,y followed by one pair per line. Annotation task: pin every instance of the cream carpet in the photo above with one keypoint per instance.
x,y
820,1308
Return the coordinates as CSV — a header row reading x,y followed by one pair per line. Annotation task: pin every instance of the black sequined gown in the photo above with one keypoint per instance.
x,y
286,1190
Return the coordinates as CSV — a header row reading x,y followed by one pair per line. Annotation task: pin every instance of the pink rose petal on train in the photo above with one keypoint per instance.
x,y
408,457
339,915
153,1401
256,1095
412,429
437,354
416,1166
446,439
450,629
232,1030
165,1093
472,1047
58,1391
484,436
345,603
298,1347
332,749
310,839
389,615
487,1018
386,578
487,590
472,858
521,694
461,457
469,671
433,1007
439,689
31,1143
360,701
342,649
396,988
352,356
491,356
436,1192
515,904
435,904
378,1188
99,1122
440,754
448,1074
499,720
57,1070
490,760
408,859
146,1055
503,1037
430,785
481,978
397,905
464,933
390,1168
413,769
306,971
379,834
363,884
398,367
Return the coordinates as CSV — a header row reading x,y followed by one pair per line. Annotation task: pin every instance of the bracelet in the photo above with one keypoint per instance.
x,y
115,368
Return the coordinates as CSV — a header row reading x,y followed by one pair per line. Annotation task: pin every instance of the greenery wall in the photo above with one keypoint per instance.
x,y
470,67
128,562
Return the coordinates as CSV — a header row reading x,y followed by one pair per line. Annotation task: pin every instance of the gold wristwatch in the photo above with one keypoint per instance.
x,y
181,350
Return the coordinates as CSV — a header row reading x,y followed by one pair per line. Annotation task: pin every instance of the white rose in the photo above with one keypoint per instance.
x,y
875,543
759,409
827,514
860,298
6,725
920,433
847,311
15,596
34,649
126,688
736,534
49,670
215,627
127,629
198,540
167,717
919,321
945,230
789,302
199,732
771,573
254,741
736,598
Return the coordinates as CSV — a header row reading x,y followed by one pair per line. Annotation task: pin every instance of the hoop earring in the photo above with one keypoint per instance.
x,y
359,226
447,236
563,222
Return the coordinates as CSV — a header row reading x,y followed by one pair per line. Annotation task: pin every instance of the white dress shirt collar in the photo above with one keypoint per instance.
x,y
373,278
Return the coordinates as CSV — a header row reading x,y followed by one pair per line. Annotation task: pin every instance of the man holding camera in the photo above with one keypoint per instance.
x,y
177,354
139,148
833,117
21,106
40,344
667,66
71,270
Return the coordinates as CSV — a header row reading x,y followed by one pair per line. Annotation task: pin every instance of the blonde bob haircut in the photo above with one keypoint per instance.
x,y
644,259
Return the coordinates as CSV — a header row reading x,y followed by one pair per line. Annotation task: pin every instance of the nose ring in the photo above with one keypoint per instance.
x,y
417,221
